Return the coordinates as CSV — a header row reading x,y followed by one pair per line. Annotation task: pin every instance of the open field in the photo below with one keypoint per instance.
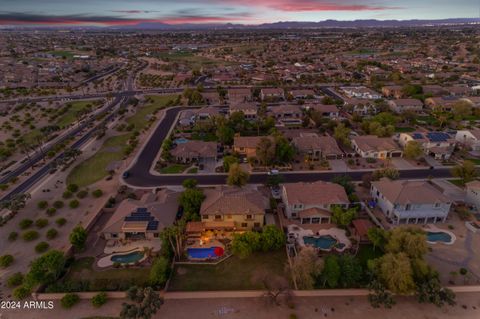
x,y
232,274
140,119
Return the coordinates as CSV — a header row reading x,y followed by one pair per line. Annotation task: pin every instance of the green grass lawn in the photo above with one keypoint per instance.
x,y
70,116
475,161
366,253
430,120
456,182
193,170
66,54
174,169
82,270
232,274
94,168
140,118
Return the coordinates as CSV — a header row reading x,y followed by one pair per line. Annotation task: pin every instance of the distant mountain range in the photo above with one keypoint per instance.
x,y
303,25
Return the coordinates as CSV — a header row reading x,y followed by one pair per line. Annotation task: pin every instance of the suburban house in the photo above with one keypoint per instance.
x,y
144,218
206,113
440,145
246,145
360,107
287,115
473,193
211,98
195,151
233,208
249,110
395,91
405,202
402,105
239,95
469,138
272,94
315,147
371,146
302,94
326,110
186,118
312,202
444,103
360,92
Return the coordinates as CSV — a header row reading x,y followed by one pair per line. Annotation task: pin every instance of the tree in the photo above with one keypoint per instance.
x,y
229,160
331,272
432,292
274,285
46,268
306,267
160,271
146,303
395,272
408,240
377,236
379,295
341,134
467,171
99,299
191,199
343,217
237,176
69,300
243,245
189,183
413,150
6,260
78,237
351,271
389,172
265,151
284,152
225,134
346,182
272,238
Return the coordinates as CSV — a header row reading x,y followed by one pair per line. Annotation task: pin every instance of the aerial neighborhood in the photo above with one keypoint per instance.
x,y
277,162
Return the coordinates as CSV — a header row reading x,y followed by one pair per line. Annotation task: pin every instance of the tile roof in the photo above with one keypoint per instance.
x,y
317,193
410,192
233,200
369,143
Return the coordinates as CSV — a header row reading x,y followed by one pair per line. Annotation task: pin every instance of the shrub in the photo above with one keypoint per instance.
x,y
41,222
15,280
42,247
74,204
51,211
3,187
51,233
30,235
61,221
25,223
159,271
82,194
58,204
99,300
5,261
67,194
42,204
72,188
21,292
13,236
97,193
69,300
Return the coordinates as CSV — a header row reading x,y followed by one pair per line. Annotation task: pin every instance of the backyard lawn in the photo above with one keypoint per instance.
x,y
232,274
139,120
94,168
174,169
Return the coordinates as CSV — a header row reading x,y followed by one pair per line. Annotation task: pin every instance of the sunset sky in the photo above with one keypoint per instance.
x,y
125,12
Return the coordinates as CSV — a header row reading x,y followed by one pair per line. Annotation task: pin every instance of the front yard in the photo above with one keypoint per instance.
x,y
174,169
231,274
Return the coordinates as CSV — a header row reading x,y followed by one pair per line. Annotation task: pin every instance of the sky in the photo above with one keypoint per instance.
x,y
130,12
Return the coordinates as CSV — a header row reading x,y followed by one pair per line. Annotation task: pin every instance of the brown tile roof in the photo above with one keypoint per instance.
x,y
195,148
317,193
322,108
314,212
233,200
247,141
369,143
410,192
326,144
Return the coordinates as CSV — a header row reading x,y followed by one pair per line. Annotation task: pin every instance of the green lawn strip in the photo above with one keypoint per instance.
x,y
232,274
404,129
476,161
66,54
140,118
174,169
193,170
456,182
70,116
95,167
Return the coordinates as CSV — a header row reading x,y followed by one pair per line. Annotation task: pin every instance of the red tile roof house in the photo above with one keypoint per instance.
x,y
317,147
402,105
370,146
272,94
249,110
312,202
287,115
330,111
405,202
195,151
239,95
302,94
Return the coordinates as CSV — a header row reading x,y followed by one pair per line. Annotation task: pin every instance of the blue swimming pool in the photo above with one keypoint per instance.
x,y
127,258
439,237
204,253
181,140
324,242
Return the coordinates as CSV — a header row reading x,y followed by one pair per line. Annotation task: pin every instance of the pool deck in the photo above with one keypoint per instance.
x,y
434,229
337,233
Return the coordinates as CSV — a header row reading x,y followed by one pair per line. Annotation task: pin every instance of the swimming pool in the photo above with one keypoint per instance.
x,y
127,258
323,242
435,237
204,253
180,140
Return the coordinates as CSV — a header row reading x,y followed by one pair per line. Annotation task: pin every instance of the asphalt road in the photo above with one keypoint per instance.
x,y
140,175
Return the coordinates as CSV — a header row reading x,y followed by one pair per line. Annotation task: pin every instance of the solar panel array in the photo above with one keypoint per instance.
x,y
417,136
142,215
438,136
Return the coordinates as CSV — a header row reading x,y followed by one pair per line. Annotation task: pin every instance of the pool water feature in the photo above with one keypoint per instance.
x,y
204,253
325,242
129,258
439,236
180,140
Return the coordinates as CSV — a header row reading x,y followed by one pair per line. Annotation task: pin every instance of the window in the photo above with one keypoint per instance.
x,y
156,235
114,235
408,207
256,225
205,217
249,217
229,216
437,205
244,225
218,217
315,220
